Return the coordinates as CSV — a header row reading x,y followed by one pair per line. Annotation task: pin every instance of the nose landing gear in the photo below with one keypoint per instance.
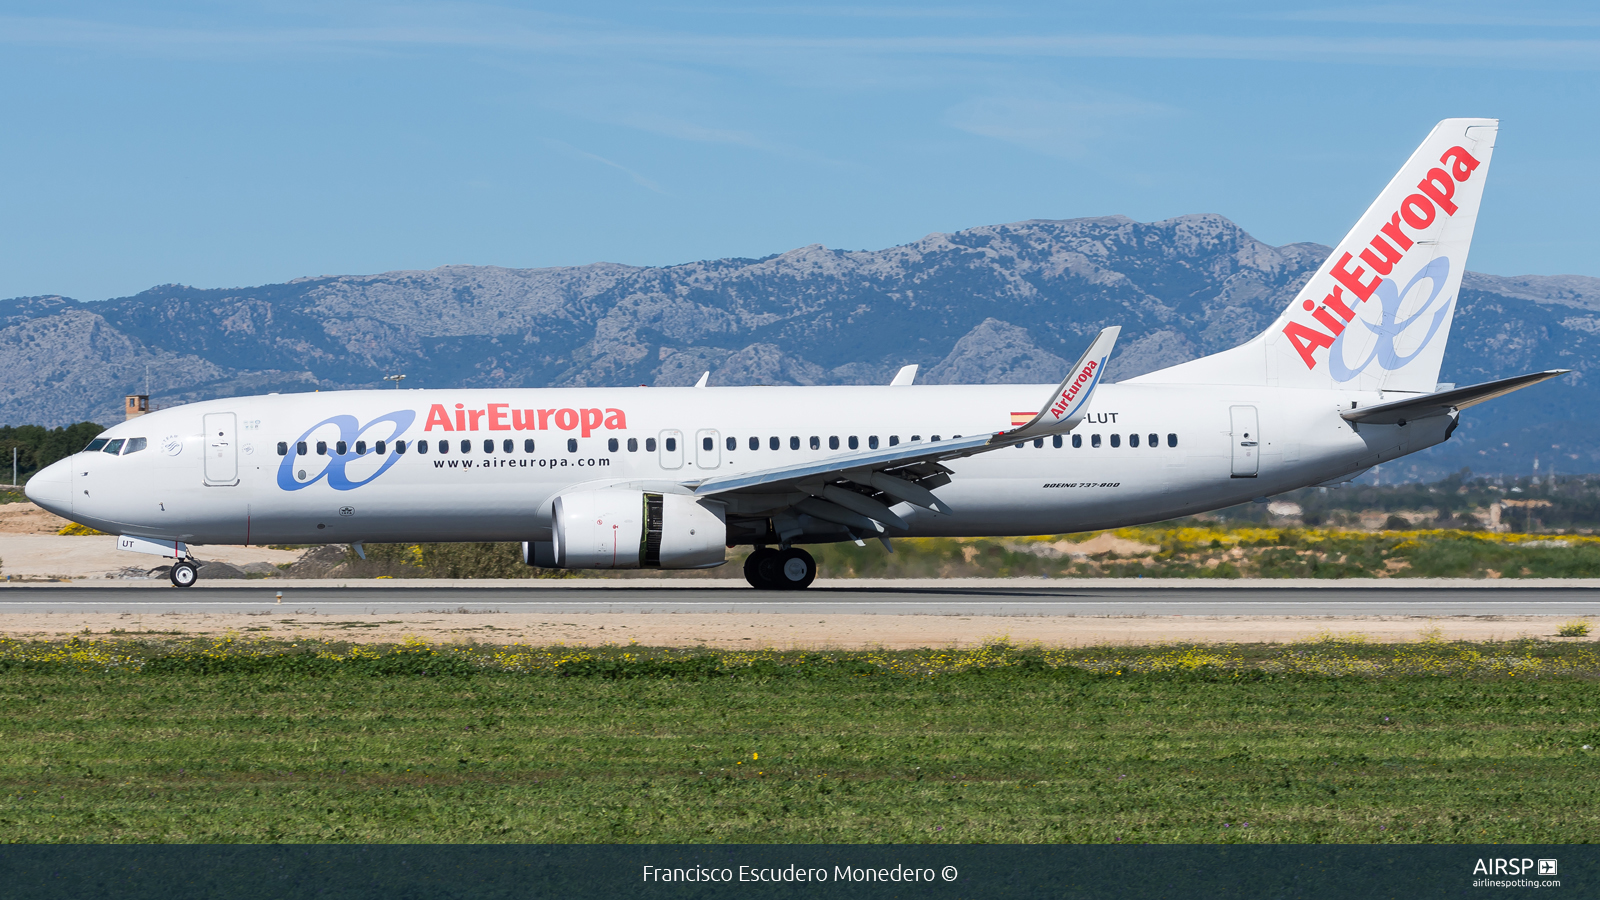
x,y
768,569
184,573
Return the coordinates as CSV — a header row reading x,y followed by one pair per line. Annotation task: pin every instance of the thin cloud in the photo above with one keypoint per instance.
x,y
578,153
759,51
1062,126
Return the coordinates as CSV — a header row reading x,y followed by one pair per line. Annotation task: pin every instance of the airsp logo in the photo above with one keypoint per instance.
x,y
172,445
347,511
1502,866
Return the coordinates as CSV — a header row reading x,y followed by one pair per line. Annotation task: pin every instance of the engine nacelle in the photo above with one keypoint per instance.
x,y
628,529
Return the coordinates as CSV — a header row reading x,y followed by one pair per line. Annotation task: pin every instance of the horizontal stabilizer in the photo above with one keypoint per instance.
x,y
1422,406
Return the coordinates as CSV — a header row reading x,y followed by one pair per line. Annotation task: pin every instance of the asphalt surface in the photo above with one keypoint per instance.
x,y
882,598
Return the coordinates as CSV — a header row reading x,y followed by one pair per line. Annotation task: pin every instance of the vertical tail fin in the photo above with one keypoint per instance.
x,y
1377,314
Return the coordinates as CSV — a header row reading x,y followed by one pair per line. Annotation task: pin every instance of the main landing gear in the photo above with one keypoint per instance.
x,y
184,573
768,569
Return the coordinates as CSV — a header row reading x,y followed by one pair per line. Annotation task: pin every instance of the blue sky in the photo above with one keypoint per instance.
x,y
230,144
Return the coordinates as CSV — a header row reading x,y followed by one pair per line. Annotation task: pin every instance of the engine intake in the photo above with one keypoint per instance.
x,y
627,529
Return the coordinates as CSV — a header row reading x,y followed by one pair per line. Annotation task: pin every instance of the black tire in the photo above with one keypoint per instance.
x,y
184,574
752,568
794,570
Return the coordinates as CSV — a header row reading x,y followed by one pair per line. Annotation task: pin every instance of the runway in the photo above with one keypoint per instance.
x,y
885,598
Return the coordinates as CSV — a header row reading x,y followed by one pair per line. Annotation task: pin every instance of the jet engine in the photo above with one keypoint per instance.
x,y
628,529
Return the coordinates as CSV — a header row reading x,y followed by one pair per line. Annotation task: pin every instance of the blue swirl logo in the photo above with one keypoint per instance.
x,y
1390,326
350,430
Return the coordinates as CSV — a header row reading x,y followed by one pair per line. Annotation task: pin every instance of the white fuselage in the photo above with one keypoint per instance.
x,y
212,473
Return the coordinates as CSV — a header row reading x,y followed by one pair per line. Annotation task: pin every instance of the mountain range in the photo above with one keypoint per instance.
x,y
1001,303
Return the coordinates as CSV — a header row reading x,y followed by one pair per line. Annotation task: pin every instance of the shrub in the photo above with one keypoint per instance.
x,y
1575,628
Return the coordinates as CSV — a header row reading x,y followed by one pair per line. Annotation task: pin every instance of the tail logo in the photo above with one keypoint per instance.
x,y
1419,212
1391,326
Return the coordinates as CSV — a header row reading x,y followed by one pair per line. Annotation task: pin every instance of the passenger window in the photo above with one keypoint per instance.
x,y
300,449
773,443
633,445
733,443
341,448
466,446
650,445
755,443
854,443
361,448
527,445
707,444
114,447
488,445
1056,442
915,438
935,437
872,442
1155,440
399,446
1077,441
816,442
1038,443
422,446
443,445
1094,440
794,442
1021,444
1172,440
894,440
283,448
672,445
833,442
95,445
1116,440
572,445
1133,440
612,445
382,448
322,448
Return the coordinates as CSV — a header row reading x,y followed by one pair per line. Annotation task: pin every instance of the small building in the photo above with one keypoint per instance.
x,y
135,405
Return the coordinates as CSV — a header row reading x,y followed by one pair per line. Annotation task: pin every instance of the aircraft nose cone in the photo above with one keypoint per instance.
x,y
51,487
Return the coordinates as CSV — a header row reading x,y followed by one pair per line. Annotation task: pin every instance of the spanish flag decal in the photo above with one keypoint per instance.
x,y
1021,418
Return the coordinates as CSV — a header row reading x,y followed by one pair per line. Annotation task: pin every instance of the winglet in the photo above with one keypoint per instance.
x,y
703,379
1071,399
905,376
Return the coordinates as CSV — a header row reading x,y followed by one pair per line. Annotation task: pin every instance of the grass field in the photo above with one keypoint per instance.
x,y
1171,550
1329,741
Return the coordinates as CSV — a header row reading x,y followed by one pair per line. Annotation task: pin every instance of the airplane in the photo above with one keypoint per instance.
x,y
671,478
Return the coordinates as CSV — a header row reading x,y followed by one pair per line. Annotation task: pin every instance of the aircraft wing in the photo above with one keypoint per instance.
x,y
1422,406
856,489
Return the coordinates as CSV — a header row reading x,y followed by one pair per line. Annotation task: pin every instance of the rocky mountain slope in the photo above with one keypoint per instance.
x,y
1000,303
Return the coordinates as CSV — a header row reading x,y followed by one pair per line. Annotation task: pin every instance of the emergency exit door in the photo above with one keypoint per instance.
x,y
222,449
1246,442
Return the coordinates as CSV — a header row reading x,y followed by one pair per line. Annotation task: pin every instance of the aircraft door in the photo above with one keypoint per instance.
x,y
707,455
1246,439
222,449
671,449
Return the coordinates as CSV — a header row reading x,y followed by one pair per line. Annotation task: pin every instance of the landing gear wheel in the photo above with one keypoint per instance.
x,y
184,574
752,569
793,570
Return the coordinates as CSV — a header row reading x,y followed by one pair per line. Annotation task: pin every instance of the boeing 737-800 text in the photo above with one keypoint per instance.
x,y
643,477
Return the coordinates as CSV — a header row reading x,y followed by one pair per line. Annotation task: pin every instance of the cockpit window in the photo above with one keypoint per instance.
x,y
94,445
134,445
114,447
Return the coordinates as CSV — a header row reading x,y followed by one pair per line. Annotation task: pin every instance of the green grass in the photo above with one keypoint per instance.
x,y
252,741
